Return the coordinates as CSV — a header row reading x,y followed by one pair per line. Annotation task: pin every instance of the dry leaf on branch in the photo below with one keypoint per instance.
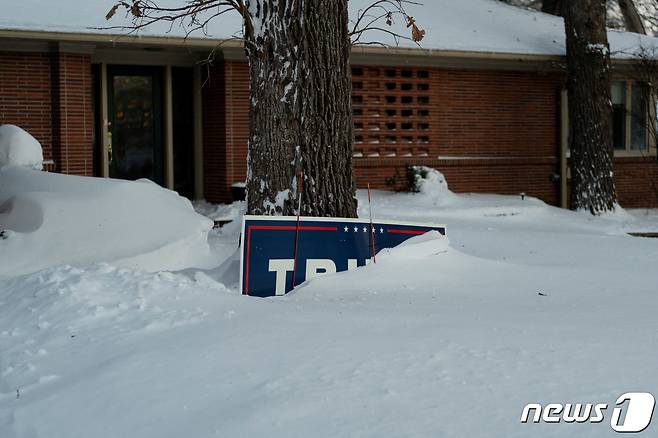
x,y
135,10
112,12
416,34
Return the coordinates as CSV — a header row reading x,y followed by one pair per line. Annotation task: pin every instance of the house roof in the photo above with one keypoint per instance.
x,y
479,26
648,9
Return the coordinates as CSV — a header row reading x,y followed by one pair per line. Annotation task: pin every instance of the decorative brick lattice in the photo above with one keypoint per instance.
x,y
391,111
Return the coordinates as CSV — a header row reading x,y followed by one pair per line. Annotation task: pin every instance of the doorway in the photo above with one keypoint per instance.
x,y
148,125
135,123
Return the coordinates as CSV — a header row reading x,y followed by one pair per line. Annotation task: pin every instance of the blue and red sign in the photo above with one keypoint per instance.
x,y
268,265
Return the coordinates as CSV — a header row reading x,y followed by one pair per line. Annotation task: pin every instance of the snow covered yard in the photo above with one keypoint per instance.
x,y
530,304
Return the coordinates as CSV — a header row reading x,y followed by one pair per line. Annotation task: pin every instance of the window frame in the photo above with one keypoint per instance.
x,y
628,151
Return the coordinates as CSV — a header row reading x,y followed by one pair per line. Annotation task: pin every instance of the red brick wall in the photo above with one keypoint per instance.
x,y
73,114
225,129
237,120
494,113
489,131
49,95
507,120
637,181
503,176
215,185
26,95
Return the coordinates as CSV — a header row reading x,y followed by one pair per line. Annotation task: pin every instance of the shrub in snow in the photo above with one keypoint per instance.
x,y
51,219
429,182
19,148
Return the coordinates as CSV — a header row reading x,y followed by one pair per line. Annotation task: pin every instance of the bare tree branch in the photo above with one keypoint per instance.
x,y
195,16
632,18
385,11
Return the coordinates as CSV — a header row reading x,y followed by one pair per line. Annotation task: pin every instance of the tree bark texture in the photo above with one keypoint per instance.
x,y
301,110
632,18
590,110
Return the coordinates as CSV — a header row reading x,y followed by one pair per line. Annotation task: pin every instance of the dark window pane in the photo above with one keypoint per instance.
x,y
183,130
619,115
639,116
133,141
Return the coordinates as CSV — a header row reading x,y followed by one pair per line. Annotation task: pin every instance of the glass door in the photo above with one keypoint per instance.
x,y
135,116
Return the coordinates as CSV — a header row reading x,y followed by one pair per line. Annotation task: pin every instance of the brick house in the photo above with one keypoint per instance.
x,y
483,101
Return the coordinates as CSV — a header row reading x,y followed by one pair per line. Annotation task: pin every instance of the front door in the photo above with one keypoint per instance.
x,y
135,116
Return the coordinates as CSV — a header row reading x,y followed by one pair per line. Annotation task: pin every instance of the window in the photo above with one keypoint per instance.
x,y
630,108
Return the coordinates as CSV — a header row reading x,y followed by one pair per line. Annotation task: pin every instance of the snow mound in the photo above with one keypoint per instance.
x,y
221,212
67,306
425,245
19,148
432,184
49,219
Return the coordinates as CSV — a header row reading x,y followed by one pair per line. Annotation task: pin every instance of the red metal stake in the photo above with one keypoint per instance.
x,y
372,229
299,211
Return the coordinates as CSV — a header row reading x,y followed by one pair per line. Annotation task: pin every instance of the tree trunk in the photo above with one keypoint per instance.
x,y
301,110
632,18
590,111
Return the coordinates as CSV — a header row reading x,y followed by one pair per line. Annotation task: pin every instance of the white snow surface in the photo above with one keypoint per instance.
x,y
464,25
19,148
50,219
434,340
221,212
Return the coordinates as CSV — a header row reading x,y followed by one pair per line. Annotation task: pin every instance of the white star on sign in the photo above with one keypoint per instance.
x,y
365,230
356,229
381,230
346,229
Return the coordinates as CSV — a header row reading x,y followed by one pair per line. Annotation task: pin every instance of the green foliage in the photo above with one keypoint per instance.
x,y
415,174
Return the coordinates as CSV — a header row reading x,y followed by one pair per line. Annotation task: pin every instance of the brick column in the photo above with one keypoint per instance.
x,y
72,111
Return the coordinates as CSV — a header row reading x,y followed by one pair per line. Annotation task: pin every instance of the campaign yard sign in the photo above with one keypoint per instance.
x,y
324,245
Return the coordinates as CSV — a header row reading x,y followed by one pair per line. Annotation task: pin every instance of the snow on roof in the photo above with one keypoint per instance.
x,y
486,26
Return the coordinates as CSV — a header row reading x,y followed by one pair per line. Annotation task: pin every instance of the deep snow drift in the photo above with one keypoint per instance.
x,y
529,304
19,148
49,219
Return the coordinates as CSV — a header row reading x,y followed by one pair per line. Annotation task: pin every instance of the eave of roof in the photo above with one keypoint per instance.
x,y
233,47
